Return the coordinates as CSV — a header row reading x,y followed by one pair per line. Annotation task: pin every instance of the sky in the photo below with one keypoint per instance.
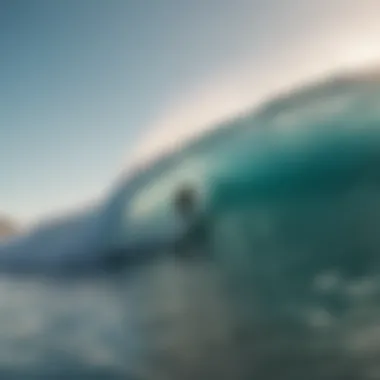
x,y
88,88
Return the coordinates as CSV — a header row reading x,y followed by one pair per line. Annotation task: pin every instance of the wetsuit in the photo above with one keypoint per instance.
x,y
195,241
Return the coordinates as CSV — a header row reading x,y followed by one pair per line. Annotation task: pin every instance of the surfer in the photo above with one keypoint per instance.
x,y
194,239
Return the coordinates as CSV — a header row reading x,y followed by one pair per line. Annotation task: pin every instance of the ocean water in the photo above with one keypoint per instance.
x,y
56,329
289,290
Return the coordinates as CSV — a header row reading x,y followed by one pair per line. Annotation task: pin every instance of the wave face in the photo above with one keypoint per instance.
x,y
287,286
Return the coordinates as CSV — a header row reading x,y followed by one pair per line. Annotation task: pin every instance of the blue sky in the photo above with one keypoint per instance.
x,y
83,82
